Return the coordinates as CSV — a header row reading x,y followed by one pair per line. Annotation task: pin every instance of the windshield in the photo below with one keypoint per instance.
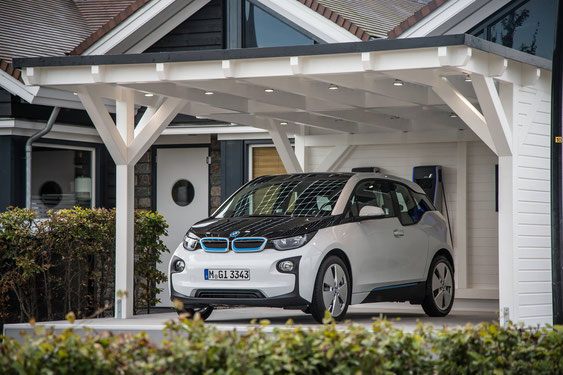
x,y
289,195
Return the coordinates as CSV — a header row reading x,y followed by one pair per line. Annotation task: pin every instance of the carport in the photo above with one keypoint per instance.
x,y
335,98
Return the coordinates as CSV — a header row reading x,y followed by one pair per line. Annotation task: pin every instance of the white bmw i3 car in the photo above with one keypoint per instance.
x,y
316,242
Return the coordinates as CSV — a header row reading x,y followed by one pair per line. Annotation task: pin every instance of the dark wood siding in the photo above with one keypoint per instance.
x,y
12,171
5,104
203,30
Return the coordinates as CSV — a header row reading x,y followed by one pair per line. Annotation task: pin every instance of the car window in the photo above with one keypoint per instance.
x,y
411,205
372,193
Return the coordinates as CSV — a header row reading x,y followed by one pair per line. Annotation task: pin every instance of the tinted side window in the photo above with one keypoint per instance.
x,y
423,202
409,212
372,193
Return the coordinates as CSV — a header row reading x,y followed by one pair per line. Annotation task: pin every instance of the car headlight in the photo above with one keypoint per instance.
x,y
190,241
292,242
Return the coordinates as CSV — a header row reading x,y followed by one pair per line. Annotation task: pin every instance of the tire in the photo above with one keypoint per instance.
x,y
204,312
325,296
440,288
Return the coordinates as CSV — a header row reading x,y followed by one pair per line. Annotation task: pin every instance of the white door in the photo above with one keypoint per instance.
x,y
182,197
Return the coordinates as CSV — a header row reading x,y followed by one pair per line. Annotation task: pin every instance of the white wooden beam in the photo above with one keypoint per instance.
x,y
464,109
460,238
389,138
493,110
506,225
287,155
153,128
333,158
104,124
125,116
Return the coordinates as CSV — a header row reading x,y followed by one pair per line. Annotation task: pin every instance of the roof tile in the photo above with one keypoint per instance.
x,y
415,18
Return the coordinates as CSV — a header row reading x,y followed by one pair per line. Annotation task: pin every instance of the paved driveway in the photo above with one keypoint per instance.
x,y
401,315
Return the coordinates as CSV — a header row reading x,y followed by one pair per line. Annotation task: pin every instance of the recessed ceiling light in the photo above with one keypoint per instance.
x,y
209,93
268,90
467,78
283,123
75,93
332,86
398,82
234,123
149,94
453,115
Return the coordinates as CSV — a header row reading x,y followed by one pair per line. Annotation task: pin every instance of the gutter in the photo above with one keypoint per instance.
x,y
28,149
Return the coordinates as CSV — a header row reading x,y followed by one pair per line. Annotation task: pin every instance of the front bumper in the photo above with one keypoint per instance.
x,y
267,287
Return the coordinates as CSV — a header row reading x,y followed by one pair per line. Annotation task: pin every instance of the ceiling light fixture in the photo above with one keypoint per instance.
x,y
398,82
234,123
149,94
75,93
467,78
209,93
332,86
283,123
268,90
453,115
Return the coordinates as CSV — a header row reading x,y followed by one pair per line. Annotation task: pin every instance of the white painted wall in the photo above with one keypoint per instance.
x,y
482,219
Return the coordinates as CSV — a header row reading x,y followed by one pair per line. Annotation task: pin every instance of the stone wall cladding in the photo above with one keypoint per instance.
x,y
215,175
143,182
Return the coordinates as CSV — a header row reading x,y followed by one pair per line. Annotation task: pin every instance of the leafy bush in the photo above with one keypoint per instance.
x,y
195,348
67,262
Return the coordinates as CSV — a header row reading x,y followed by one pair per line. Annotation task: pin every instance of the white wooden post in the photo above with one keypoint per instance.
x,y
124,212
124,240
126,146
506,239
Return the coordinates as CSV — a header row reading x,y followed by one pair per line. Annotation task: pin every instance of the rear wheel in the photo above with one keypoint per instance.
x,y
440,288
204,312
332,290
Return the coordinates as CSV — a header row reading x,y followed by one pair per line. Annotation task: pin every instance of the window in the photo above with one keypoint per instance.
x,y
285,196
412,205
372,193
61,178
261,29
527,26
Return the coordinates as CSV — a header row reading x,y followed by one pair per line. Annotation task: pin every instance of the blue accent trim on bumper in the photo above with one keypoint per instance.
x,y
394,286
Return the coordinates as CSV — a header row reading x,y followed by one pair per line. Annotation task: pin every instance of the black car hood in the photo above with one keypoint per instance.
x,y
270,227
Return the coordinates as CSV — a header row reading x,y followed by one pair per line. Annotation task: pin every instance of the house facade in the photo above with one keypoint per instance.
x,y
204,156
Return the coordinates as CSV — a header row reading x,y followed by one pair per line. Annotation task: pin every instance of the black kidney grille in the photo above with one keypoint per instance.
x,y
249,244
215,244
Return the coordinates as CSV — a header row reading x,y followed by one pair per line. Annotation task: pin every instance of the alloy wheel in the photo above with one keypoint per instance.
x,y
335,289
442,286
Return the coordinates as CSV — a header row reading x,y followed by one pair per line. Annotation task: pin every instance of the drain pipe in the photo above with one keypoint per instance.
x,y
28,147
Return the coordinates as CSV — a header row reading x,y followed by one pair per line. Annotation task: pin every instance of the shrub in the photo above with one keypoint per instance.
x,y
67,262
192,347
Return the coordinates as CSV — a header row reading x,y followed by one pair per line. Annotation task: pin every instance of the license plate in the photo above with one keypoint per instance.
x,y
226,274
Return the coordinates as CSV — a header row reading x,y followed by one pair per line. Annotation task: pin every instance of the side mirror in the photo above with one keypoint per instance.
x,y
371,211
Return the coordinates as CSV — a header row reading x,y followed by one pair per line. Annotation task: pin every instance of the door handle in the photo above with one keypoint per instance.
x,y
398,233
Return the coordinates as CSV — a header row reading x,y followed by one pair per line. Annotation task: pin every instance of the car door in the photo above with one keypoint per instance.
x,y
373,243
411,247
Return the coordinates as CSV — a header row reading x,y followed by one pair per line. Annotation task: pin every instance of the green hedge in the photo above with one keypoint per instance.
x,y
66,262
190,347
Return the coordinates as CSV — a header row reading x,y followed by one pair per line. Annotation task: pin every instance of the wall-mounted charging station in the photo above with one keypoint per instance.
x,y
429,178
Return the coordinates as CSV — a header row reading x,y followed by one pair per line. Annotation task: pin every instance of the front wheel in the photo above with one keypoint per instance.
x,y
204,312
440,288
332,290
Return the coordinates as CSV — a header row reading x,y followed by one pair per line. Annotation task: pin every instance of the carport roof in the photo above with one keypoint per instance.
x,y
378,45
